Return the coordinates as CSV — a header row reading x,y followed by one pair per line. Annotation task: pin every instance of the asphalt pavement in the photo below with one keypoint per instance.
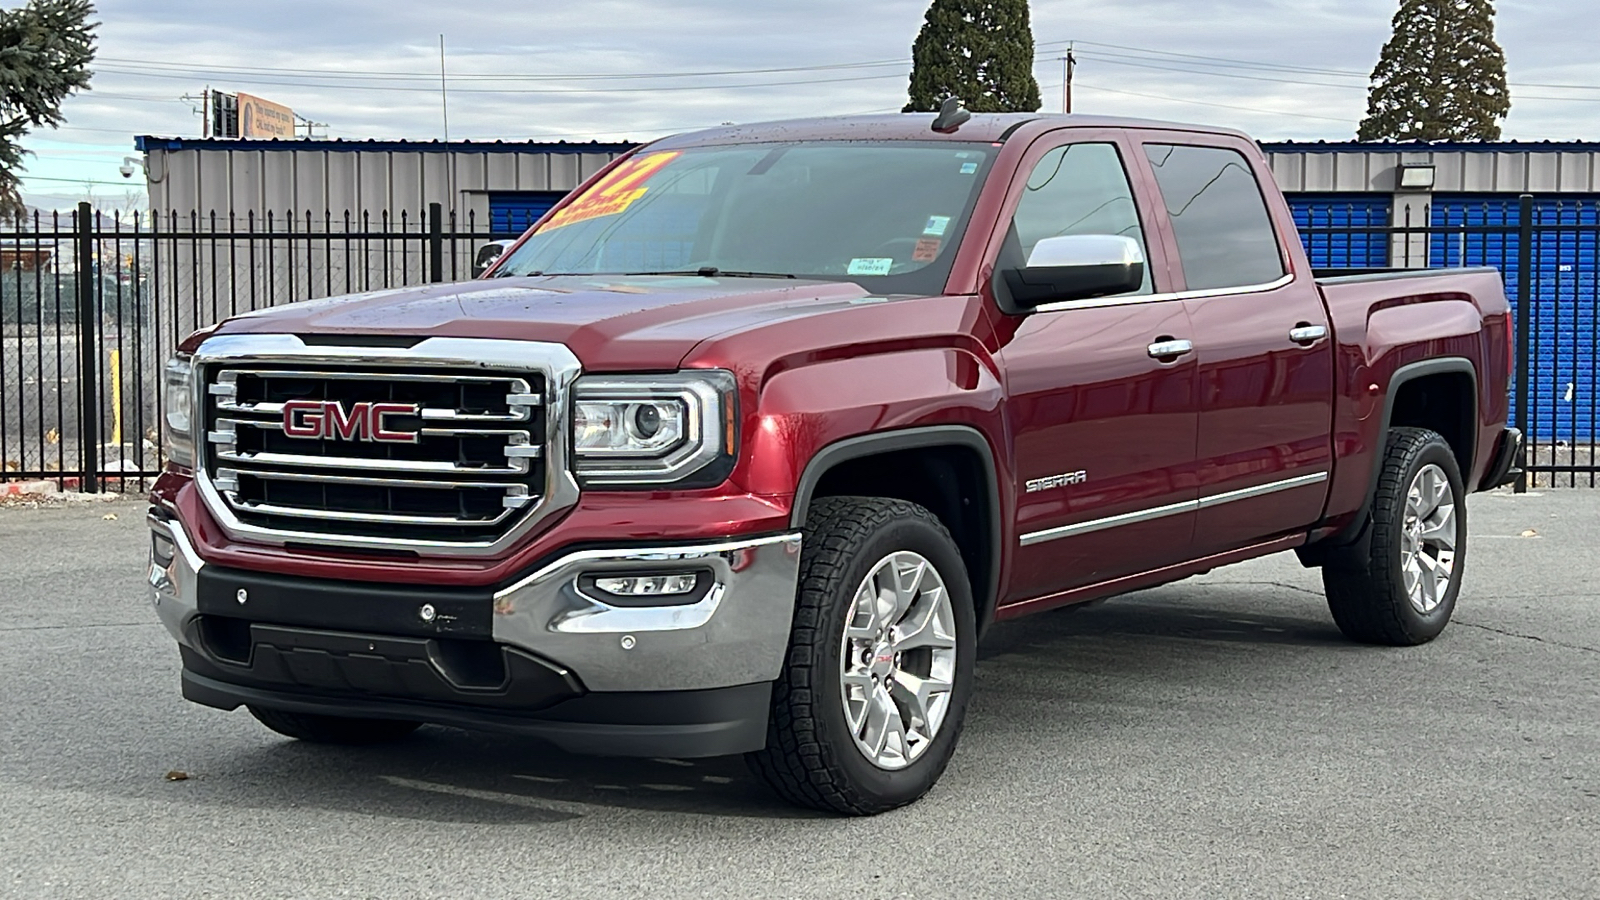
x,y
1213,738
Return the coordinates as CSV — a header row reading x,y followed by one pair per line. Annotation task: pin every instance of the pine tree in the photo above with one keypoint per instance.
x,y
980,51
1441,77
45,51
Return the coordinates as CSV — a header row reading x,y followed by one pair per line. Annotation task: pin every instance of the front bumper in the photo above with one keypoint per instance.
x,y
542,654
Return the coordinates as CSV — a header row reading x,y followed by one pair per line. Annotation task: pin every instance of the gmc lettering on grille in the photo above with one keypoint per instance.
x,y
331,420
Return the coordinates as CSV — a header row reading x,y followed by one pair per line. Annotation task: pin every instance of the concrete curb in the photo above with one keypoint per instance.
x,y
26,488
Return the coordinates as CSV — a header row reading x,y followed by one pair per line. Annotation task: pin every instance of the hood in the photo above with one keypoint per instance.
x,y
609,322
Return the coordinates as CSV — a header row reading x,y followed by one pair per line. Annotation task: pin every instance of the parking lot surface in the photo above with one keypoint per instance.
x,y
1212,738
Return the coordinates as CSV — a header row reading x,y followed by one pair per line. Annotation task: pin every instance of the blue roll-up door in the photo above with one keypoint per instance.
x,y
512,212
1344,249
1561,371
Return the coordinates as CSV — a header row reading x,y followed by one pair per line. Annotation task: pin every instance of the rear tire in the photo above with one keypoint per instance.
x,y
333,729
869,706
1404,591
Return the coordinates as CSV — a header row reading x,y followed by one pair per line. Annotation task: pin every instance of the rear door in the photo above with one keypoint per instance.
x,y
1263,343
1104,433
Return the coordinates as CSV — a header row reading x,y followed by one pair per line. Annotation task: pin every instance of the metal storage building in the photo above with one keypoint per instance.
x,y
1449,189
499,184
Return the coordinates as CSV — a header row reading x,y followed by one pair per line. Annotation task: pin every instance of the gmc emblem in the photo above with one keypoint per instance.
x,y
329,420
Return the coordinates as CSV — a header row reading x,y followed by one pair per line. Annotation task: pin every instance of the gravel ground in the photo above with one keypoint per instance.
x,y
1213,738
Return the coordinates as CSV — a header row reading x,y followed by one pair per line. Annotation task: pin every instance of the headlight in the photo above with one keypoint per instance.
x,y
654,429
178,435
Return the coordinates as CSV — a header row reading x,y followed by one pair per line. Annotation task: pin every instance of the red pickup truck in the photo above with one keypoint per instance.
x,y
742,446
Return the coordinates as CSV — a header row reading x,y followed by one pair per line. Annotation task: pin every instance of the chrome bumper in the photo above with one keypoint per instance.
x,y
736,634
174,586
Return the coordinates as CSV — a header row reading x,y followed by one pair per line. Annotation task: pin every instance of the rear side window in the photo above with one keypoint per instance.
x,y
1225,237
1079,189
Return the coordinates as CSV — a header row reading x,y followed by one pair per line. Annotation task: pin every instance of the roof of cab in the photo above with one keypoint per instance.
x,y
984,127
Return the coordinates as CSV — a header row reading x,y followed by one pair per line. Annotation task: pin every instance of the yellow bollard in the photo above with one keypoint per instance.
x,y
116,398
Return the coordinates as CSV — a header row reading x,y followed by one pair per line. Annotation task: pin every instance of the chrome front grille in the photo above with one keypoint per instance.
x,y
460,459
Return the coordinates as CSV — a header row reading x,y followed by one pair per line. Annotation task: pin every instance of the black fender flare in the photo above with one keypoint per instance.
x,y
1354,536
927,437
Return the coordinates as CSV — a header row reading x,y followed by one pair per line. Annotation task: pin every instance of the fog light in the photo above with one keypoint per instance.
x,y
162,550
648,585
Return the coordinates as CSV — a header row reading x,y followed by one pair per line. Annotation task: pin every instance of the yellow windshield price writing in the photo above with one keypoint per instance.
x,y
615,193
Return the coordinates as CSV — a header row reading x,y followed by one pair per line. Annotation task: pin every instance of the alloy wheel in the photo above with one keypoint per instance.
x,y
1428,539
898,660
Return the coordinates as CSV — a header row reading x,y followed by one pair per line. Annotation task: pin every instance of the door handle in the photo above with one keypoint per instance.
x,y
1167,349
1305,334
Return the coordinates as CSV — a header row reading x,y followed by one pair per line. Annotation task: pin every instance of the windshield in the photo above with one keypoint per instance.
x,y
885,215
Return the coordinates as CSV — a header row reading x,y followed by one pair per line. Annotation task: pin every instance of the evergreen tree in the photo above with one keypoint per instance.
x,y
1441,77
980,51
45,51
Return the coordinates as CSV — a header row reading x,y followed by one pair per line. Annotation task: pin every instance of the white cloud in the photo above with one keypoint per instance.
x,y
164,46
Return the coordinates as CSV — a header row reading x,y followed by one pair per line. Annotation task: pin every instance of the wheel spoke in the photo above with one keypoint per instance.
x,y
881,720
1430,581
925,629
860,679
1440,529
908,579
1439,489
918,694
1424,490
864,623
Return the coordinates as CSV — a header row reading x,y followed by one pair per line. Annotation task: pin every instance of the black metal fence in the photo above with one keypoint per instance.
x,y
1548,251
92,304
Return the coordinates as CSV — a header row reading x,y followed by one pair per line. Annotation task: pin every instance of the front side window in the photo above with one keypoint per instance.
x,y
886,215
1079,189
1225,237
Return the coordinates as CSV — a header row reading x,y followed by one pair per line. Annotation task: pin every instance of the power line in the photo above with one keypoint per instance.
x,y
78,180
1192,71
1259,110
616,90
419,76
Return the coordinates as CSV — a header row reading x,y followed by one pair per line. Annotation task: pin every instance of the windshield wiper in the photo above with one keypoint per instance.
x,y
714,272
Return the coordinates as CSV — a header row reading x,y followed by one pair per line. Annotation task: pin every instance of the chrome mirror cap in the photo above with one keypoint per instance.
x,y
1074,267
1075,250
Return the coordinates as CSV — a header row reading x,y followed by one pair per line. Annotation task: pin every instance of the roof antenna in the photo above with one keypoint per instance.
x,y
951,117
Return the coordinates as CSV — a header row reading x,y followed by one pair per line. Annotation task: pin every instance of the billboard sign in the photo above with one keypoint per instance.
x,y
260,118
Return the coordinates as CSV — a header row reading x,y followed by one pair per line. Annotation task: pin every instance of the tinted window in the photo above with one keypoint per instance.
x,y
885,215
1079,189
1225,238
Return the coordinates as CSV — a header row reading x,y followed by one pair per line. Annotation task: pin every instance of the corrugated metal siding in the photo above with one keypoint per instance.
x,y
1562,373
1344,250
301,176
1502,168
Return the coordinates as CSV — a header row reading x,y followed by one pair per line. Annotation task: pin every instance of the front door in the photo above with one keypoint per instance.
x,y
1263,346
1104,428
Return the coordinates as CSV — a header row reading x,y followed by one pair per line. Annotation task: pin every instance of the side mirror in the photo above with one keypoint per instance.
x,y
1078,267
487,254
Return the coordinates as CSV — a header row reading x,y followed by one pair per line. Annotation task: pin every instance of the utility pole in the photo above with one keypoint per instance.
x,y
444,107
1068,64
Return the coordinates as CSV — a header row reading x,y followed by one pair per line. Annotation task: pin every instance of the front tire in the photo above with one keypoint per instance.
x,y
332,729
1404,591
870,704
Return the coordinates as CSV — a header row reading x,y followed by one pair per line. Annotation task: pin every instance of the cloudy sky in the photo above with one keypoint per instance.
x,y
634,69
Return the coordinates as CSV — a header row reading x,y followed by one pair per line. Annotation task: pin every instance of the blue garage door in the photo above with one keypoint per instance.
x,y
1346,249
512,212
1561,371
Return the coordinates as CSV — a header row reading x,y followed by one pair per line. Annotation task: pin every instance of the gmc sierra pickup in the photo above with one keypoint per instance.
x,y
744,444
